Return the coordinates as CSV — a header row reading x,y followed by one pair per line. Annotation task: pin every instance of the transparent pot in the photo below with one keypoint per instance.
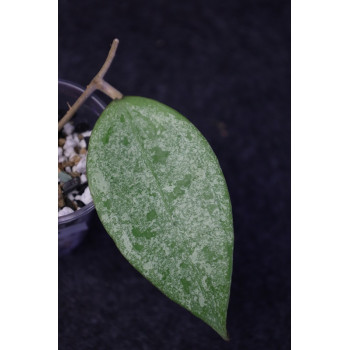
x,y
72,228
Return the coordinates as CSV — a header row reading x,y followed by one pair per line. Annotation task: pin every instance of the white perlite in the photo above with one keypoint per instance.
x,y
68,128
65,211
85,197
82,144
72,153
81,166
83,178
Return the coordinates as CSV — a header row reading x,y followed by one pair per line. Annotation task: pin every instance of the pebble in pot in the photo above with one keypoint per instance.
x,y
73,190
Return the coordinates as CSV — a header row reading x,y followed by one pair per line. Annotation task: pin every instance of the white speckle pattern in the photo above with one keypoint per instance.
x,y
157,187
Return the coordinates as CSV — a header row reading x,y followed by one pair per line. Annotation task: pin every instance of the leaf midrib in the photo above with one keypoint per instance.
x,y
148,163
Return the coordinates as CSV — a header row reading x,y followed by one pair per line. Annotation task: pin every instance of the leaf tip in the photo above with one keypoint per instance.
x,y
226,337
223,334
221,331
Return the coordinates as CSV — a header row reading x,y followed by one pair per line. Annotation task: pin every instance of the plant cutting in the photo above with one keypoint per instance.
x,y
160,194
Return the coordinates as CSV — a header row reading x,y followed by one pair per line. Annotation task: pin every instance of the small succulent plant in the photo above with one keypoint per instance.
x,y
160,193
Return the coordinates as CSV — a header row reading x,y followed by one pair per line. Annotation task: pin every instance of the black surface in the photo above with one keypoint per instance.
x,y
226,66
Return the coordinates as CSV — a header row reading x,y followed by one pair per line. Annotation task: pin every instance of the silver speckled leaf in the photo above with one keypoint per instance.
x,y
161,195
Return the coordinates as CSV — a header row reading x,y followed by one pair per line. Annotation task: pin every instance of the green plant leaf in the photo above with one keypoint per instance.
x,y
160,193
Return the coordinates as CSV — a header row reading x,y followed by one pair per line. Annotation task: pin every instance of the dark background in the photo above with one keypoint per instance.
x,y
226,66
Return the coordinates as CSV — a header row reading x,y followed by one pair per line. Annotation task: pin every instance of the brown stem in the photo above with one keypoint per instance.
x,y
109,59
109,90
96,83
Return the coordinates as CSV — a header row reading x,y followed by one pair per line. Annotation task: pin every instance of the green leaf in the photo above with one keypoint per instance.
x,y
161,195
